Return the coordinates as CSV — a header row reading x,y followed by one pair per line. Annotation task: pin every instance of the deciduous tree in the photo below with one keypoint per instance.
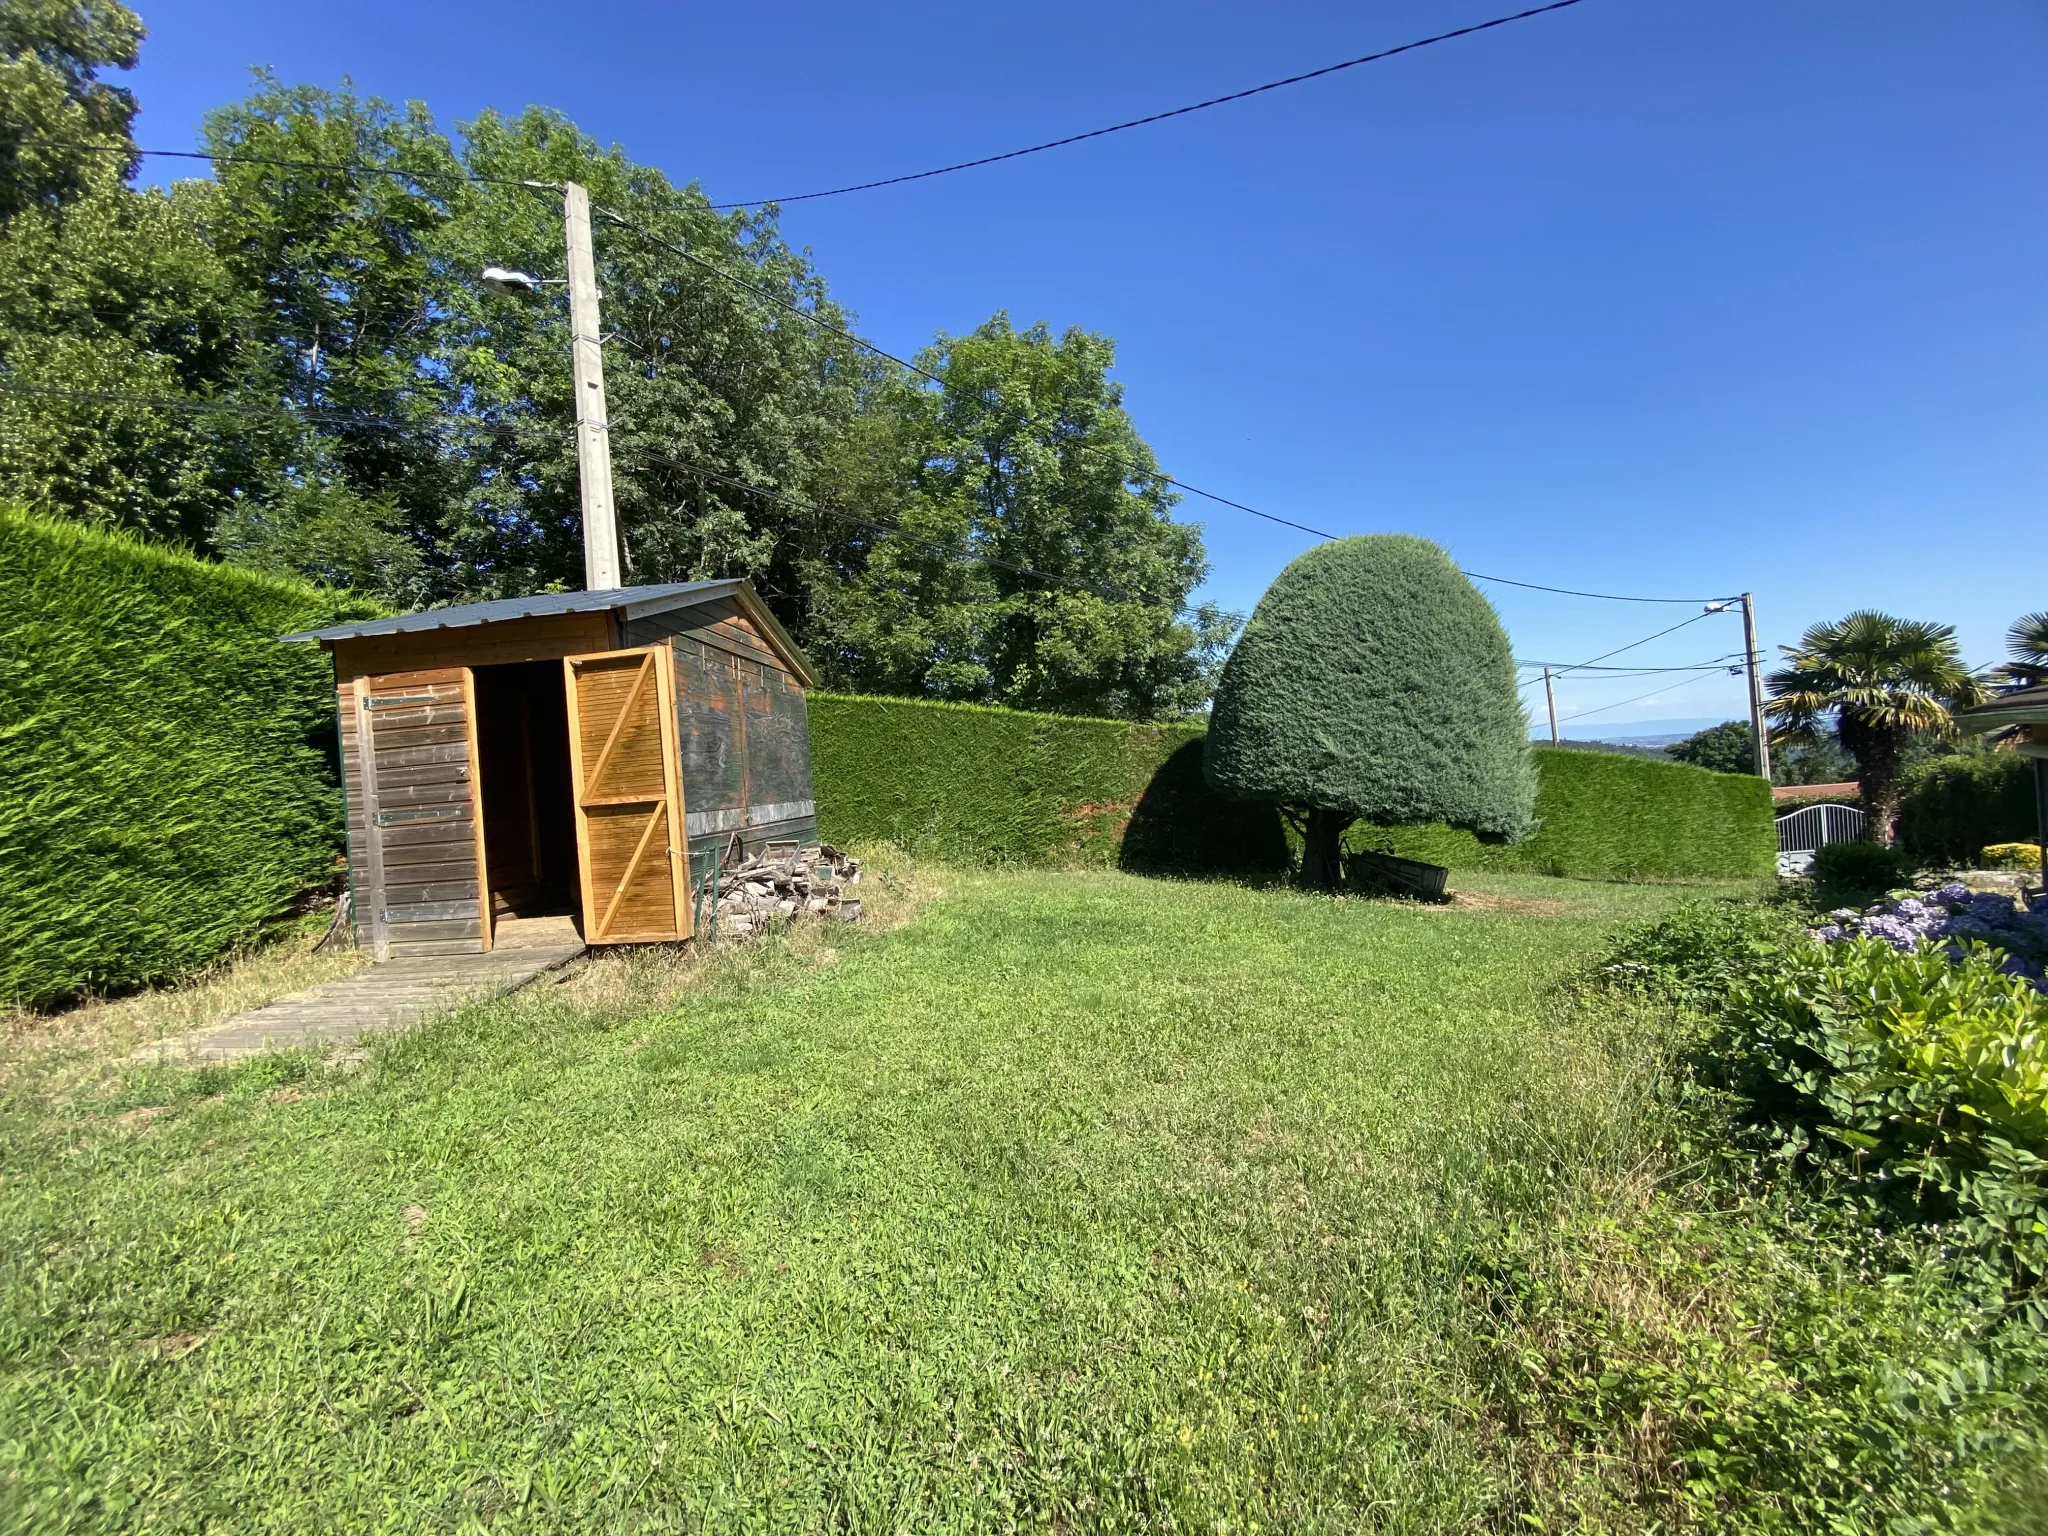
x,y
1020,547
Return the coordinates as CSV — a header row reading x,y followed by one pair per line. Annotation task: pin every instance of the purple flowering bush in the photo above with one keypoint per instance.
x,y
1953,918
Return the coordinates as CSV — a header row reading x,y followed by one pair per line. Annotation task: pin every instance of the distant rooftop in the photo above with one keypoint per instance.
x,y
2023,706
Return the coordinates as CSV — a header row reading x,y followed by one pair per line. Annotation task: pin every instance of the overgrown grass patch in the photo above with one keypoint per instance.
x,y
1083,1201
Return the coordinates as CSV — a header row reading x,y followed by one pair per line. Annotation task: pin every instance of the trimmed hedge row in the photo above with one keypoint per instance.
x,y
1606,816
971,782
167,783
966,781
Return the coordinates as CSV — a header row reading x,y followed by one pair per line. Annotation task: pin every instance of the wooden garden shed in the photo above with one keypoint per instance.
x,y
576,754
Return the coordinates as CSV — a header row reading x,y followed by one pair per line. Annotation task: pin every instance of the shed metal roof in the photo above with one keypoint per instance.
x,y
2023,706
628,602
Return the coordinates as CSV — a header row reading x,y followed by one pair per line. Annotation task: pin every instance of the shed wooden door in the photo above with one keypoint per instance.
x,y
416,859
629,796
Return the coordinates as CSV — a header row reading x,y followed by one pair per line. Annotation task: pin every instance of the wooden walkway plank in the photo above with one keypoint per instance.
x,y
393,994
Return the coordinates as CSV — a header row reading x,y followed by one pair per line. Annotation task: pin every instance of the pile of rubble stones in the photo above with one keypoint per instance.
x,y
782,882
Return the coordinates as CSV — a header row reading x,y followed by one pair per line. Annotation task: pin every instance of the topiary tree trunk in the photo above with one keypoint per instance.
x,y
1322,847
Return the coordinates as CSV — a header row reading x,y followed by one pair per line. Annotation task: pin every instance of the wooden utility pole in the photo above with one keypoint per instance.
x,y
593,434
1550,701
1756,689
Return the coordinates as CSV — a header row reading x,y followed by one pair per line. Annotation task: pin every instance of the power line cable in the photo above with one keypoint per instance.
x,y
1697,666
1660,634
1160,117
770,296
1584,713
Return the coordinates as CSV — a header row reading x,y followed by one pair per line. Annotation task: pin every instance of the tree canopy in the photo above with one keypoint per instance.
x,y
1729,747
1075,598
1374,681
292,366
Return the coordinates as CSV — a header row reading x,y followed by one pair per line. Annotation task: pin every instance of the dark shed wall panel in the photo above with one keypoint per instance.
x,y
721,624
745,748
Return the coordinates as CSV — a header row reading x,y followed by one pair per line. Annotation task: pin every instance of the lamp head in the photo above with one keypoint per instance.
x,y
509,280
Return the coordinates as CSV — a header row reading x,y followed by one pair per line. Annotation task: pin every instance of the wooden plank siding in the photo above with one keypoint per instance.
x,y
742,728
412,825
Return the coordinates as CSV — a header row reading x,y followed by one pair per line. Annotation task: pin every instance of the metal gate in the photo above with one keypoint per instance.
x,y
1804,832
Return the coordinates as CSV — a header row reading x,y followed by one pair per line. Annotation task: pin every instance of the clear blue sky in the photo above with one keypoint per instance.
x,y
1664,296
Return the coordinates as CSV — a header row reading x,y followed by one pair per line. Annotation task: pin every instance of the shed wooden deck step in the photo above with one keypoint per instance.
x,y
393,994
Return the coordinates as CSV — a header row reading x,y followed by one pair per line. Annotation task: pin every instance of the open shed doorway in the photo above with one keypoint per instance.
x,y
522,733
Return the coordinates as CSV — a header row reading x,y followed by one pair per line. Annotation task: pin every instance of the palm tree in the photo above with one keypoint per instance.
x,y
1879,679
2027,643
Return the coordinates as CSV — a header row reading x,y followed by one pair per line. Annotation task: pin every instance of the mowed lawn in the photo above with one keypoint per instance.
x,y
1078,1202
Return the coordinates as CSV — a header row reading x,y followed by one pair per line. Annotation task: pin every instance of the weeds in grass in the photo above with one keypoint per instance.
x,y
1081,1202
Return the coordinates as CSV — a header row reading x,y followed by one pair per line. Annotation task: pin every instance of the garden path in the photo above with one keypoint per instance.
x,y
392,994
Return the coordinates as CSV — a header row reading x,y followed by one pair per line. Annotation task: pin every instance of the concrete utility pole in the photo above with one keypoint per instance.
x,y
1550,701
1756,690
593,434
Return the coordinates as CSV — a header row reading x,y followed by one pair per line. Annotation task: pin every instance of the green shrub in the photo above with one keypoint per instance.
x,y
1834,1321
1374,681
1953,806
1854,873
167,787
1698,953
1923,1076
2010,856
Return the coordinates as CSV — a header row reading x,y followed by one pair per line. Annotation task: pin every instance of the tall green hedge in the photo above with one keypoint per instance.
x,y
167,786
1606,816
971,782
1954,807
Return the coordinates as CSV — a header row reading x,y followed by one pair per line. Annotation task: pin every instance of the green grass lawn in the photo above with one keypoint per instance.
x,y
1079,1202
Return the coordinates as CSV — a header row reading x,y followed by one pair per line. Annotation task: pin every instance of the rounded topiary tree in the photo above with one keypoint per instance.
x,y
1374,681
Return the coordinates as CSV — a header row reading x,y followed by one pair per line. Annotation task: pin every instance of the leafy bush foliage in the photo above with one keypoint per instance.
x,y
1375,681
1920,1077
167,789
2010,856
1953,806
1838,1325
1698,953
1857,871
